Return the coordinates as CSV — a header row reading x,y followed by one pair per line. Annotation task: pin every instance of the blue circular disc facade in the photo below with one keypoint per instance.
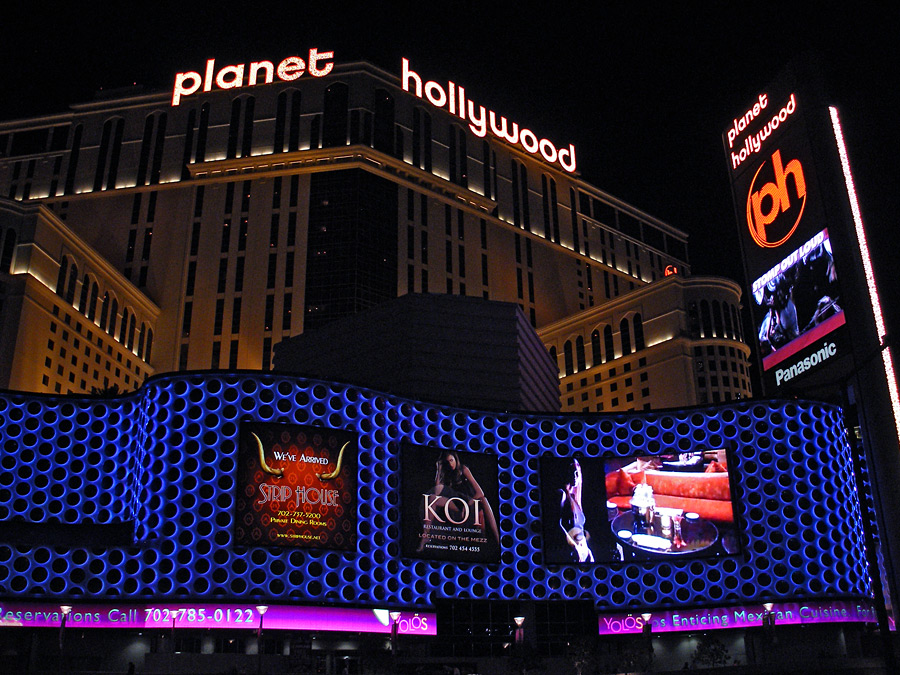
x,y
164,460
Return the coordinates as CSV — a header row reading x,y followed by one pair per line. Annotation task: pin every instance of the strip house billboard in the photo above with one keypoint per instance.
x,y
795,298
296,487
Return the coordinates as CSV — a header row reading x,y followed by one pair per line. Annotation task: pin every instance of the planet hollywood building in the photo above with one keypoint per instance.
x,y
155,234
197,228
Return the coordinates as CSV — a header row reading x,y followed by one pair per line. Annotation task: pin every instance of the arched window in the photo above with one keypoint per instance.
x,y
579,353
567,352
247,140
729,328
188,145
73,282
123,327
149,345
608,344
294,129
705,320
334,124
280,117
92,301
202,133
638,333
694,321
233,129
736,318
717,319
104,311
83,298
625,333
130,344
596,351
383,136
113,314
9,247
141,336
61,278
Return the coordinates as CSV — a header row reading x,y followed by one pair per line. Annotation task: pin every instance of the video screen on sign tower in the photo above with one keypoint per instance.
x,y
449,505
296,486
798,302
637,508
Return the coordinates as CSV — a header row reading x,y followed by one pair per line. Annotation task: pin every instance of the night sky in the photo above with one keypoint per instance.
x,y
644,92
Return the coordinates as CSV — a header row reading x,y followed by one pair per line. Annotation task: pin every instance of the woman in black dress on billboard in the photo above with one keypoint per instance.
x,y
454,479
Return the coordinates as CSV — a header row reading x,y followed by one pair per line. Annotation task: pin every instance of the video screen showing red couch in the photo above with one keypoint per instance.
x,y
672,505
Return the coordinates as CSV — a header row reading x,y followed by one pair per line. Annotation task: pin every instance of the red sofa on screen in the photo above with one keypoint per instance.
x,y
707,494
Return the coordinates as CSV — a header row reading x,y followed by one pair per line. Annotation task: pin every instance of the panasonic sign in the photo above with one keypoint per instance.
x,y
826,351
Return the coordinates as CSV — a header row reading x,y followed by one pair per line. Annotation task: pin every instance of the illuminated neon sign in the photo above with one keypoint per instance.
x,y
453,99
216,616
754,142
776,194
258,72
743,616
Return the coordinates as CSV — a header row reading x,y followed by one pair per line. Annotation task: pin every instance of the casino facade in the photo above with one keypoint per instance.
x,y
200,511
312,199
138,507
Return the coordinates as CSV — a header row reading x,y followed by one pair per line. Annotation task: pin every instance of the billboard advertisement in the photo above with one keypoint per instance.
x,y
449,505
796,301
296,486
637,508
574,516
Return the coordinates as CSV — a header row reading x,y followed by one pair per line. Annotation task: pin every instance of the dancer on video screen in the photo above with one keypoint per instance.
x,y
572,519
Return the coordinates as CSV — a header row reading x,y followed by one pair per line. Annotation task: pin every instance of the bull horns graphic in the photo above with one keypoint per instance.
x,y
262,459
337,469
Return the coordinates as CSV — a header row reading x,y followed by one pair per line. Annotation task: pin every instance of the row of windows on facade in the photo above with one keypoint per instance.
x,y
613,402
551,229
124,330
71,346
240,261
236,311
216,354
336,126
581,239
717,369
738,384
714,320
602,345
454,276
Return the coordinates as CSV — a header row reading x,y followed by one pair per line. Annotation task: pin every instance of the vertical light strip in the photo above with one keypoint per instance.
x,y
867,266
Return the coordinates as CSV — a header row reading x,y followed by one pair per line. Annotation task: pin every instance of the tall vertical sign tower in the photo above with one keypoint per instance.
x,y
812,294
